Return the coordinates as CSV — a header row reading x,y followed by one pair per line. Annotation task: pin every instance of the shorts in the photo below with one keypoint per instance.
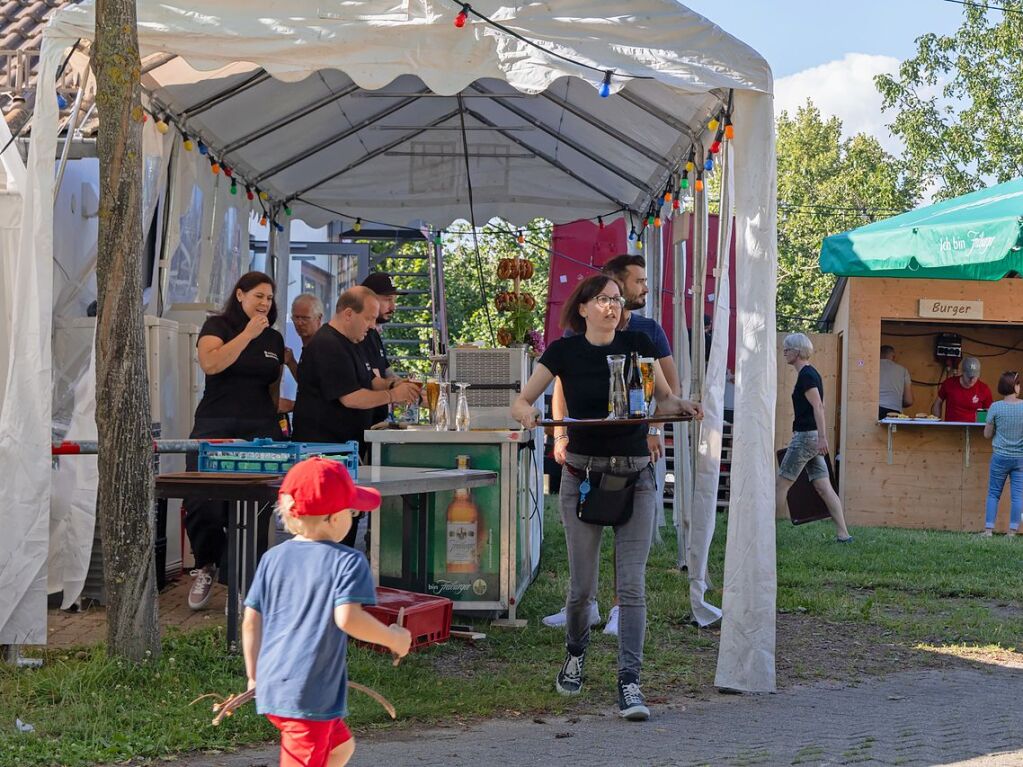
x,y
308,742
802,451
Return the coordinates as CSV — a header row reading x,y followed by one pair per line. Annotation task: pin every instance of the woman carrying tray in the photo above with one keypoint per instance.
x,y
242,357
608,479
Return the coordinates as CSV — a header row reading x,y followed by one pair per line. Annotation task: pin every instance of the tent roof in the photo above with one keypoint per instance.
x,y
974,237
356,109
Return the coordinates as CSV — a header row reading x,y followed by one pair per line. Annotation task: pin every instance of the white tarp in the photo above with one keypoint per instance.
x,y
312,135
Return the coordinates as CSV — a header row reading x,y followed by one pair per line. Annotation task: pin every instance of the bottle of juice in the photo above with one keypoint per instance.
x,y
463,524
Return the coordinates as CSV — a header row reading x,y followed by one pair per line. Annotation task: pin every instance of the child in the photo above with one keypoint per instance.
x,y
306,598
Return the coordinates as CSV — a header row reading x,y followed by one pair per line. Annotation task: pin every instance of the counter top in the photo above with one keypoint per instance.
x,y
425,435
925,422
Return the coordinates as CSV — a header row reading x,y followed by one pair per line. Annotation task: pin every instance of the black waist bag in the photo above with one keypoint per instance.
x,y
608,501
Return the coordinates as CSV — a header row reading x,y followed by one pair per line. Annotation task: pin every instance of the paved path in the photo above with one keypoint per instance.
x,y
966,717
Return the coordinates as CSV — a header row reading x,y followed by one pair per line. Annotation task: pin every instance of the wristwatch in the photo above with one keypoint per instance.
x,y
654,431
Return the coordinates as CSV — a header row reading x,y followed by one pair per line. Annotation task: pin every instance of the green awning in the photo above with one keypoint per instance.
x,y
974,237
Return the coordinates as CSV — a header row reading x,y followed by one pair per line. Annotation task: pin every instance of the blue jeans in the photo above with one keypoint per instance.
x,y
1003,466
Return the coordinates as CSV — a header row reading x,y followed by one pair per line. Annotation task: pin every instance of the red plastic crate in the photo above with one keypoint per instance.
x,y
428,618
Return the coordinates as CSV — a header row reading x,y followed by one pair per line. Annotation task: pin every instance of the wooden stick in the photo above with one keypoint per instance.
x,y
617,421
401,622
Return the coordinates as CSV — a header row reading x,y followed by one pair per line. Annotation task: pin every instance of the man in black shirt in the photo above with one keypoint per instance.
x,y
337,389
373,346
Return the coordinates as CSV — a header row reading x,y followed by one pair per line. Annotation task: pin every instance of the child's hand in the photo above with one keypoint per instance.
x,y
401,640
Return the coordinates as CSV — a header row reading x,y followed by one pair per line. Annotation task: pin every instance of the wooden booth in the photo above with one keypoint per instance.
x,y
916,474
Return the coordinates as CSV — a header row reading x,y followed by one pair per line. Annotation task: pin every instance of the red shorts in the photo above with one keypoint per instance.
x,y
307,742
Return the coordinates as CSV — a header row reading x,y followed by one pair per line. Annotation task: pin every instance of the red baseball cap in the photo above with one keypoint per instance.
x,y
321,486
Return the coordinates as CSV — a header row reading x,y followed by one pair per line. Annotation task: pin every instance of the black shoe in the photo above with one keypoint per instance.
x,y
570,678
631,704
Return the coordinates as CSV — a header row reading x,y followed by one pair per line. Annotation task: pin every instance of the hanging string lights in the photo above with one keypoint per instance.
x,y
463,15
605,86
187,144
161,125
357,226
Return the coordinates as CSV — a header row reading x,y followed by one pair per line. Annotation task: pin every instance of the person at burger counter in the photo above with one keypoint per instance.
x,y
963,395
895,388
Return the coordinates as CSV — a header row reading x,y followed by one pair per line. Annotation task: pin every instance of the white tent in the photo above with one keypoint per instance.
x,y
367,109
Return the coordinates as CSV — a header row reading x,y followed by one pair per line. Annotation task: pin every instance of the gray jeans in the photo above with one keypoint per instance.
x,y
632,546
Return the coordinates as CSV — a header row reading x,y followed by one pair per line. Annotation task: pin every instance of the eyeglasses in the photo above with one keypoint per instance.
x,y
604,301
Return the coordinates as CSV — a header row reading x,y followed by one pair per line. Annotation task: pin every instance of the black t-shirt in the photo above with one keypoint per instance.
x,y
330,368
807,379
585,377
242,389
372,348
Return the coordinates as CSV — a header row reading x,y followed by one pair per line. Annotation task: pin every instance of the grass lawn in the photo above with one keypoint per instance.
x,y
894,599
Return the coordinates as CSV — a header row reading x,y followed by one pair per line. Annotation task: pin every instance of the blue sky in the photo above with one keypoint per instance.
x,y
831,50
794,35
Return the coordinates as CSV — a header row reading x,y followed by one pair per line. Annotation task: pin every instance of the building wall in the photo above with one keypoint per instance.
x,y
927,484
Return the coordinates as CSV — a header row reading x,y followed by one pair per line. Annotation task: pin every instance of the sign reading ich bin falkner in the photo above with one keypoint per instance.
x,y
951,310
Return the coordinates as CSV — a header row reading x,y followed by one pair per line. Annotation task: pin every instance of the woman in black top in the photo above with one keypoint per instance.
x,y
594,312
242,357
809,442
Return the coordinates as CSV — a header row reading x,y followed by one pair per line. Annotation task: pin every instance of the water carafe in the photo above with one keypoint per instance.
x,y
617,396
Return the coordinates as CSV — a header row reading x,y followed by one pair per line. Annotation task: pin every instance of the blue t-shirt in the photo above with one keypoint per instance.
x,y
301,671
1007,418
648,327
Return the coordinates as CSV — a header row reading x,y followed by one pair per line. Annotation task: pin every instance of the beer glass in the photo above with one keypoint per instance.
x,y
432,395
462,409
646,370
440,414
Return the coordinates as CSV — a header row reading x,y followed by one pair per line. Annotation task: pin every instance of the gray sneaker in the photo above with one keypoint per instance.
x,y
570,678
202,586
631,704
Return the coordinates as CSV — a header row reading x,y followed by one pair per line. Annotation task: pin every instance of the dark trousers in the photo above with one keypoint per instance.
x,y
206,521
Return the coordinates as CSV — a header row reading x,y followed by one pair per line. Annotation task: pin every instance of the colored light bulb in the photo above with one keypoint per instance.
x,y
162,126
357,226
462,17
684,184
639,244
600,221
263,196
632,234
203,149
248,192
709,165
667,197
61,101
713,124
605,86
214,167
729,131
676,205
690,166
228,172
262,220
657,222
287,210
715,147
699,185
234,186
521,238
188,144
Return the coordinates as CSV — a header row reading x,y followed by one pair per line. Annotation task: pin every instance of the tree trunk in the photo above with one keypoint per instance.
x,y
125,499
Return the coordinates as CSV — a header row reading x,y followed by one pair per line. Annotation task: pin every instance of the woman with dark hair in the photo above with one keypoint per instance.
x,y
1005,425
242,357
594,312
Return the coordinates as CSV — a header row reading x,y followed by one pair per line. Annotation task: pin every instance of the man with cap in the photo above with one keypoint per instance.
x,y
963,395
372,347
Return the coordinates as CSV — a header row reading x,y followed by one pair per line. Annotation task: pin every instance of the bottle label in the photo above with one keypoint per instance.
x,y
637,403
461,543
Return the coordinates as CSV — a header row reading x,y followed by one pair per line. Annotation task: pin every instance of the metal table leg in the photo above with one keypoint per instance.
x,y
422,549
232,574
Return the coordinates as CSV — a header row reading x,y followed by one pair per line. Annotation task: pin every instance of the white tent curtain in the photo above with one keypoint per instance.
x,y
746,653
708,452
26,403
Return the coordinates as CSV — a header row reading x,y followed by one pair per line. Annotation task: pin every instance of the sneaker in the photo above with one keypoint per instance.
x,y
631,704
202,586
570,678
558,619
611,627
988,533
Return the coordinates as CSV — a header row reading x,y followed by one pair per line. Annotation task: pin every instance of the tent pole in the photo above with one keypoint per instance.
x,y
70,135
440,309
163,258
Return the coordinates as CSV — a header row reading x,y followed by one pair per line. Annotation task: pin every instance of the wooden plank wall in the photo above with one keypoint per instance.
x,y
927,485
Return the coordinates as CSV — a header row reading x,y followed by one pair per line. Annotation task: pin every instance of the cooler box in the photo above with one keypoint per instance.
x,y
427,618
264,456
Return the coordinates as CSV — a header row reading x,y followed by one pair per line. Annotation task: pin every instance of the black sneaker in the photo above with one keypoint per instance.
x,y
570,678
631,704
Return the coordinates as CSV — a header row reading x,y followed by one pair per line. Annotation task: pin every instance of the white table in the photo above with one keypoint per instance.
x,y
928,423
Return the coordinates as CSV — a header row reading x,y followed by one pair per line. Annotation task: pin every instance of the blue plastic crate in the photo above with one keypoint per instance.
x,y
264,456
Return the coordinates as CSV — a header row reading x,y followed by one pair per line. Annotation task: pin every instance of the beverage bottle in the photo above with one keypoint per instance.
x,y
637,400
463,518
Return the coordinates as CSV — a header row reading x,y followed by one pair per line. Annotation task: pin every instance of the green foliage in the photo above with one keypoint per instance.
x,y
959,101
826,185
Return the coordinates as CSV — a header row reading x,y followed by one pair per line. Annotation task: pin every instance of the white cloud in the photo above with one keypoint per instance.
x,y
844,89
